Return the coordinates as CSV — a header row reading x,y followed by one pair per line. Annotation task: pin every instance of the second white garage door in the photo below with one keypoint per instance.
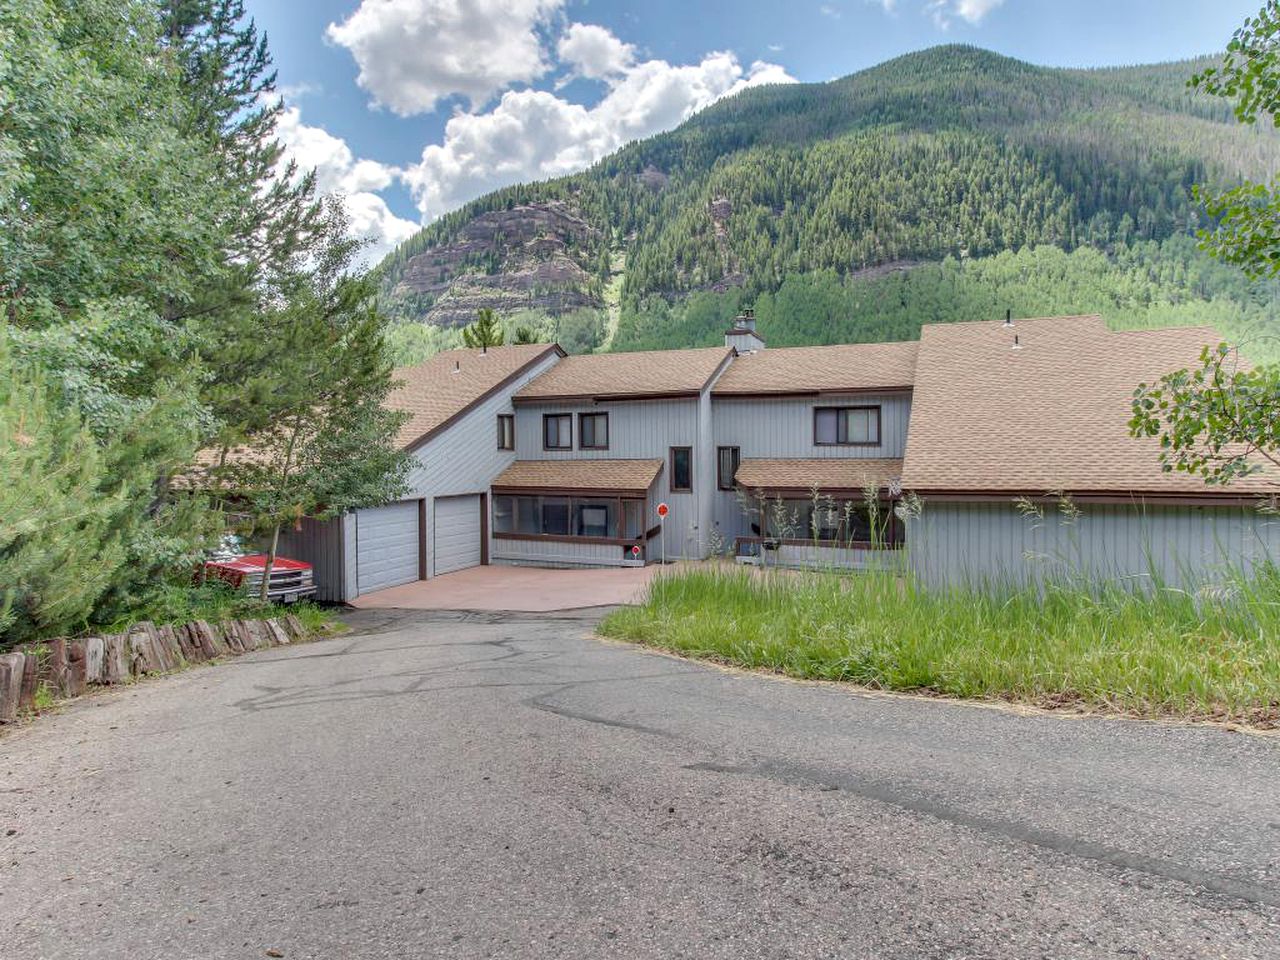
x,y
456,543
386,546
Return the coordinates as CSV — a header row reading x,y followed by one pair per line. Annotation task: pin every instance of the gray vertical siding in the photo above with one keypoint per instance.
x,y
319,543
638,430
782,428
556,553
979,544
704,480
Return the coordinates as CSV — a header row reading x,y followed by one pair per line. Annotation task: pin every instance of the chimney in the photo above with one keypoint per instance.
x,y
742,334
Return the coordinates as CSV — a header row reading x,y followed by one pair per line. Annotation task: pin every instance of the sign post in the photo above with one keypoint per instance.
x,y
663,510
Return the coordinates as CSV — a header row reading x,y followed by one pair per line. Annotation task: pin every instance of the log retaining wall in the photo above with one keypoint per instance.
x,y
68,667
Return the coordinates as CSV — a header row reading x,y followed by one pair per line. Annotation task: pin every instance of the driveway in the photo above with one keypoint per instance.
x,y
445,785
518,589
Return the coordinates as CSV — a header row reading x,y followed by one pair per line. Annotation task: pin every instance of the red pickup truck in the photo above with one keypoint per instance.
x,y
291,580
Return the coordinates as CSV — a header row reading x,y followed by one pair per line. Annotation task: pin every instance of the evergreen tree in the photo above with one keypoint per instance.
x,y
485,332
329,444
154,256
78,523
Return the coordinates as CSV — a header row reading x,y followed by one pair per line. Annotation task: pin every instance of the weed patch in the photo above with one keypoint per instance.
x,y
1167,653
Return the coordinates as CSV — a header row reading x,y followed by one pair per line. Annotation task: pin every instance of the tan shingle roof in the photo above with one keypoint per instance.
x,y
827,474
436,392
1052,415
641,374
835,368
635,476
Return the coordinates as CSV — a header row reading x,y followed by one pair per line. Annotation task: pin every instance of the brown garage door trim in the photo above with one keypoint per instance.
x,y
422,538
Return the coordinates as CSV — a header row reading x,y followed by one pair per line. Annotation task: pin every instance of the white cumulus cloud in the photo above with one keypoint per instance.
x,y
356,181
414,53
971,11
534,134
592,51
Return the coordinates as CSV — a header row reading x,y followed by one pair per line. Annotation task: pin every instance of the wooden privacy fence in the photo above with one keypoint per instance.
x,y
66,668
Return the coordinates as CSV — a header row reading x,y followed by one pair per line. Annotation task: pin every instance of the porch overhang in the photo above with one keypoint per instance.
x,y
594,477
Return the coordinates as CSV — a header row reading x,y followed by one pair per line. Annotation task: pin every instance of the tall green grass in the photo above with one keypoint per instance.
x,y
1165,653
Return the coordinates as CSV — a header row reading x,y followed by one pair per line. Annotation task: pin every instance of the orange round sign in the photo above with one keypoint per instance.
x,y
663,510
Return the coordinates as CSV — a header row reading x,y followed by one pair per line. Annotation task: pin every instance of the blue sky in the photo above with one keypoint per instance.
x,y
409,108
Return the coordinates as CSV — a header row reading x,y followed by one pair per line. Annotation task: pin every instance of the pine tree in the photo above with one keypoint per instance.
x,y
79,523
485,332
326,443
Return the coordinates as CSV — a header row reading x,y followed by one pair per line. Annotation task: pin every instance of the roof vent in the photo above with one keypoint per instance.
x,y
1008,318
1016,344
745,320
457,366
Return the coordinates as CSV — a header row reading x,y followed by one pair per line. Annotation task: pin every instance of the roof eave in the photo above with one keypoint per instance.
x,y
550,490
806,492
1098,496
607,397
732,394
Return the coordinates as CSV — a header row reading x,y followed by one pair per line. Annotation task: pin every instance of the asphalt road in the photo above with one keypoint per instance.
x,y
465,786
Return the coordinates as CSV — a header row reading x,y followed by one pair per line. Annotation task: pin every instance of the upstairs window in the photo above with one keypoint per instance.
x,y
506,431
846,426
557,431
593,431
681,469
728,459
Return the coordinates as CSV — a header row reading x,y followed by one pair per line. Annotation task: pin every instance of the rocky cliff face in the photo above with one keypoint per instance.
x,y
532,256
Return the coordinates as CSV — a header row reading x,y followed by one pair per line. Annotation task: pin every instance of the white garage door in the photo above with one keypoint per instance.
x,y
457,534
386,546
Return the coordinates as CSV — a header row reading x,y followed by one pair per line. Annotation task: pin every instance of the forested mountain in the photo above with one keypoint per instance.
x,y
952,152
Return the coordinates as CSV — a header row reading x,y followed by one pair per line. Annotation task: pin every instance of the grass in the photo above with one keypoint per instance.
x,y
177,603
1166,654
216,601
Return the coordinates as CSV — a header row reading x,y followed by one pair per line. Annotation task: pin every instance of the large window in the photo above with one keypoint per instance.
x,y
727,461
593,518
593,431
831,521
506,431
846,426
681,469
557,431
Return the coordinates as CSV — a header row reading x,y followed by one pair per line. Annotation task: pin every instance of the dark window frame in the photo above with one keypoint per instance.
x,y
723,483
557,416
849,443
504,418
573,501
595,446
671,462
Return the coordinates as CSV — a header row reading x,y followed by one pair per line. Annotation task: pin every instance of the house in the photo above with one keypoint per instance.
x,y
1039,409
982,452
459,403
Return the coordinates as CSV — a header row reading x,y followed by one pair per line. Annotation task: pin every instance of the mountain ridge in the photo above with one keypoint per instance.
x,y
954,151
